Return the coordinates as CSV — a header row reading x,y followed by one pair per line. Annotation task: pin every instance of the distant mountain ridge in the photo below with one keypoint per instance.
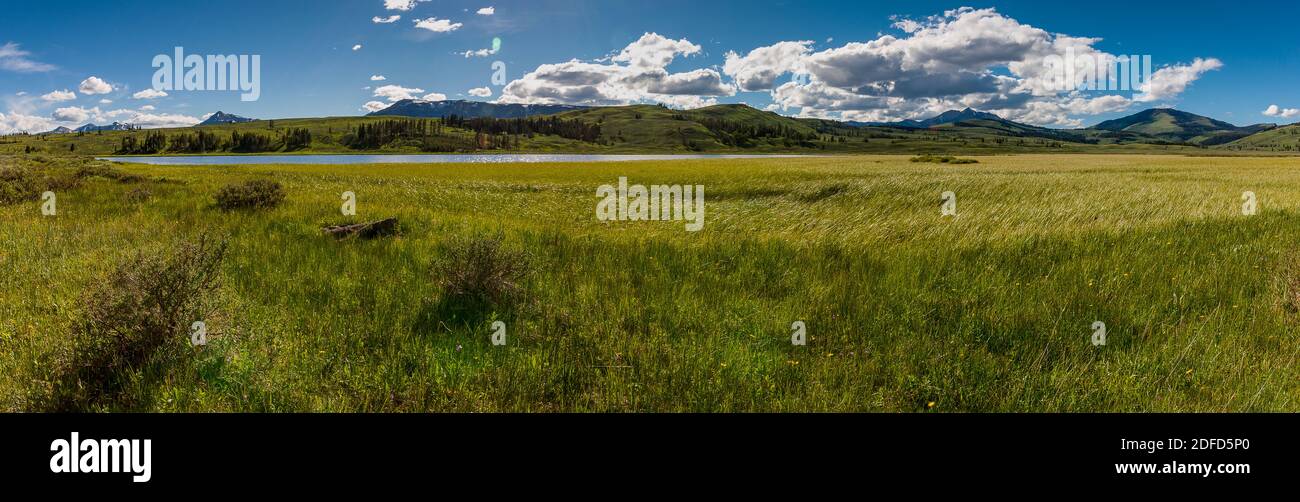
x,y
225,118
948,117
1174,125
115,126
740,127
470,109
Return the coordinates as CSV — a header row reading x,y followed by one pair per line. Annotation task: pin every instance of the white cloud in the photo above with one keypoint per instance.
x,y
653,50
152,121
402,5
13,58
702,82
56,96
71,114
356,47
94,85
386,20
435,96
480,53
1286,113
105,101
377,78
758,70
77,116
397,92
149,94
480,92
641,77
966,57
147,108
15,122
374,106
437,25
487,11
1170,81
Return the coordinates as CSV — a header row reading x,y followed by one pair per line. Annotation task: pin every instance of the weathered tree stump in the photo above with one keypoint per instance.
x,y
368,230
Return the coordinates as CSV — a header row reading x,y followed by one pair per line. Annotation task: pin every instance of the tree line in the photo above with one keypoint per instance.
x,y
432,135
205,142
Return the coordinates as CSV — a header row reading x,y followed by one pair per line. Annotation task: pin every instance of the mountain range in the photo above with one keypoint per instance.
x,y
115,126
948,117
739,127
1156,125
225,118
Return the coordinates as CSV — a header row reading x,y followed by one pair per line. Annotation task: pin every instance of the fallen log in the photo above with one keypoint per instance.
x,y
368,230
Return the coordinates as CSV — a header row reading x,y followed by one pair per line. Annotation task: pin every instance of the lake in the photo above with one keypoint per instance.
x,y
209,160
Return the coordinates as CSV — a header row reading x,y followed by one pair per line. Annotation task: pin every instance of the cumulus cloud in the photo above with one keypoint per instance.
x,y
702,82
1286,113
385,20
356,47
1170,81
966,57
480,92
396,92
105,101
437,25
758,70
14,122
94,85
487,11
163,120
149,94
76,116
374,106
14,58
653,50
56,96
149,108
378,78
435,96
402,5
638,73
71,114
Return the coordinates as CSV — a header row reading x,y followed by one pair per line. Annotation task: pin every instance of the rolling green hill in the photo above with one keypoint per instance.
x,y
1281,139
1178,126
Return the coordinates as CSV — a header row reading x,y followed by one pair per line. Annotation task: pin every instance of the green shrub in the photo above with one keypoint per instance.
x,y
943,159
21,184
18,185
253,194
138,195
139,313
477,274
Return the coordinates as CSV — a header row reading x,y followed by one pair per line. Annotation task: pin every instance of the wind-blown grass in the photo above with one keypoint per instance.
x,y
989,310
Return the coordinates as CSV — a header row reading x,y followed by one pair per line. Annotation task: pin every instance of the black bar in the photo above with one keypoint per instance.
x,y
319,452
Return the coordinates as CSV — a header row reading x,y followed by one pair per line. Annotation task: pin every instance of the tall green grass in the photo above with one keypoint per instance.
x,y
906,310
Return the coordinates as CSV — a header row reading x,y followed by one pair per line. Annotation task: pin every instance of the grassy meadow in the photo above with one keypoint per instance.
x,y
906,310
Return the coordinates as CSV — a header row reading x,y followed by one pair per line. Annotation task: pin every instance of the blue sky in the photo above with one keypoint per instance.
x,y
1232,60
